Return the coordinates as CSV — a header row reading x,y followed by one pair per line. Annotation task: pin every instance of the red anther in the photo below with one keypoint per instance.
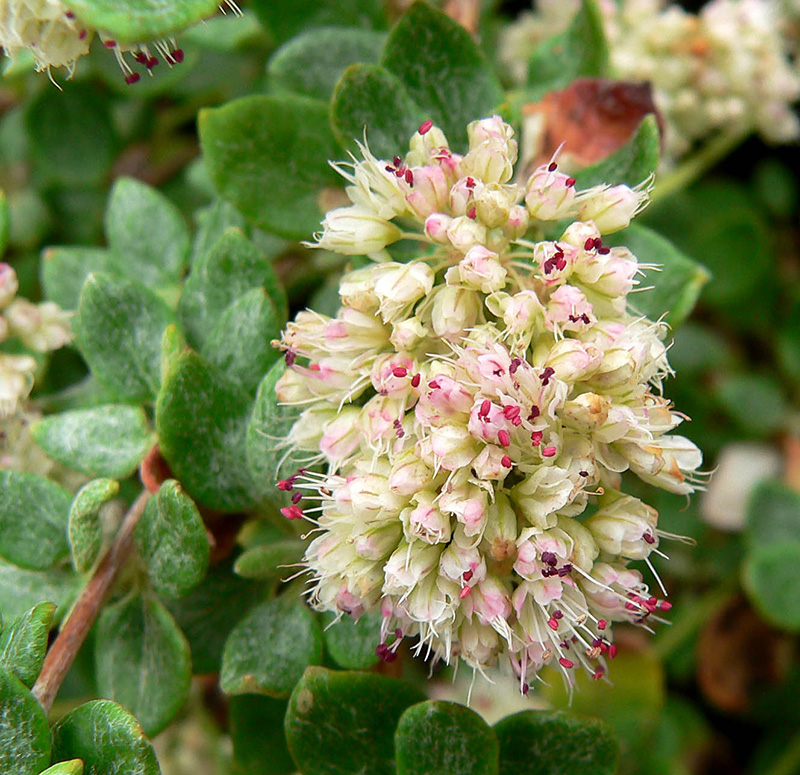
x,y
399,371
525,689
132,78
552,167
290,357
603,251
486,406
397,161
536,438
558,614
648,538
465,592
534,413
389,168
602,624
549,558
297,496
511,411
589,244
503,438
549,452
506,462
470,182
409,177
515,364
314,367
548,372
612,651
665,605
472,213
564,662
467,575
399,172
70,15
433,384
598,243
415,380
425,127
598,674
292,512
632,606
151,63
82,35
109,43
552,623
287,485
569,182
140,57
385,653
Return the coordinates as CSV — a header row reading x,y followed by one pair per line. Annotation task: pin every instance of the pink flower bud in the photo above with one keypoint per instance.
x,y
481,270
612,209
9,285
454,311
430,192
355,230
549,195
463,233
436,227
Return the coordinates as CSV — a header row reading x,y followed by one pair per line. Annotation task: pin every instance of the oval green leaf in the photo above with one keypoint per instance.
x,y
106,441
773,515
143,661
24,733
351,644
21,589
771,581
341,723
107,738
444,738
537,742
172,541
256,729
84,528
33,520
277,146
267,652
269,561
23,643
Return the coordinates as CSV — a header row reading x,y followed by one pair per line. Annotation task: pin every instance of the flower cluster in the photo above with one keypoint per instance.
x,y
39,327
58,38
469,414
726,68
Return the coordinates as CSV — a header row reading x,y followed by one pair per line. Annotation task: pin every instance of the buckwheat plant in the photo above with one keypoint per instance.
x,y
468,415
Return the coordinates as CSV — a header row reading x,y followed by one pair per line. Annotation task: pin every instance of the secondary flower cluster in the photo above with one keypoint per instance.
x,y
39,327
58,38
469,414
725,68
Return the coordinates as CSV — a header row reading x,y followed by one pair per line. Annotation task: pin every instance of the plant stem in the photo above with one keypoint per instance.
x,y
695,165
62,653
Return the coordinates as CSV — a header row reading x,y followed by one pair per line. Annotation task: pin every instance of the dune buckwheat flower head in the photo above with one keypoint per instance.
x,y
468,415
39,327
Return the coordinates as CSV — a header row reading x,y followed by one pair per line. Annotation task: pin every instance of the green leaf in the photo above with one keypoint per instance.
x,y
435,737
370,97
21,589
172,540
211,223
84,529
64,270
277,146
676,281
536,742
632,164
343,723
201,418
312,62
256,729
23,643
72,767
220,277
108,441
773,515
209,613
266,562
141,21
267,430
143,661
147,233
240,343
770,578
739,392
5,222
119,329
285,21
443,70
33,520
267,652
64,151
581,50
351,644
24,734
124,747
